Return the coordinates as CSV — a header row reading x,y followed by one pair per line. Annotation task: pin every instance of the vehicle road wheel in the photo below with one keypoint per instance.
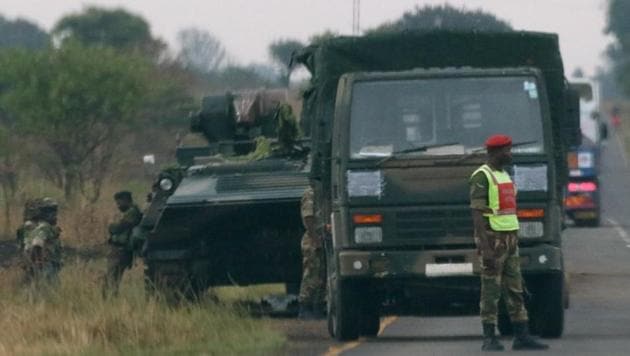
x,y
548,306
343,311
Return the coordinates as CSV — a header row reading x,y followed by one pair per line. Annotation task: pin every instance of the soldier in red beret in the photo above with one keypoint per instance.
x,y
493,205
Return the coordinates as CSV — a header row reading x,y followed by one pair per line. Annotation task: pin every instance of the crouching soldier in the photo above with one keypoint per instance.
x,y
41,246
123,240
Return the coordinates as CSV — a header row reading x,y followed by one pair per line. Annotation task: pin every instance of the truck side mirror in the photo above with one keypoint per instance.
x,y
571,132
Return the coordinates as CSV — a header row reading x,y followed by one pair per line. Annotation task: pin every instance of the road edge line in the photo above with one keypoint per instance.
x,y
620,231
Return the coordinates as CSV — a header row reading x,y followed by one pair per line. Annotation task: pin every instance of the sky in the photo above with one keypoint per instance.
x,y
246,27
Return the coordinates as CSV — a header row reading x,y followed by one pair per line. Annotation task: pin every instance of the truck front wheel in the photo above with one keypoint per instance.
x,y
547,306
343,310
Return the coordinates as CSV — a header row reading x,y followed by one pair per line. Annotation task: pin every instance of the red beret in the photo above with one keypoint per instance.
x,y
496,141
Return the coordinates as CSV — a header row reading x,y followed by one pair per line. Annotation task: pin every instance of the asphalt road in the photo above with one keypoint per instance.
x,y
598,262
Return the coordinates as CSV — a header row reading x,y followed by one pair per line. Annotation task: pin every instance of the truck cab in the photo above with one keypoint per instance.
x,y
583,199
407,127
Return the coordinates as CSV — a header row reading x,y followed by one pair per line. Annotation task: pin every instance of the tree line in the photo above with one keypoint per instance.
x,y
100,83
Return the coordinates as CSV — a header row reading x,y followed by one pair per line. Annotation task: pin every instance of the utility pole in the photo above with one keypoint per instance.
x,y
356,17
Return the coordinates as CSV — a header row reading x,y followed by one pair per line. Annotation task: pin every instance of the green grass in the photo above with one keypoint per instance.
x,y
73,319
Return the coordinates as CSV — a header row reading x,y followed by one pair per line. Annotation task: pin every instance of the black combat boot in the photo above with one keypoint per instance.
x,y
490,341
523,340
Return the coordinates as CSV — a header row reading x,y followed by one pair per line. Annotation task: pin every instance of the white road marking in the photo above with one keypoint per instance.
x,y
620,231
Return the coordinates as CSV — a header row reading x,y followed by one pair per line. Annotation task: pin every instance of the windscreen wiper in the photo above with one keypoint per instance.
x,y
416,149
481,149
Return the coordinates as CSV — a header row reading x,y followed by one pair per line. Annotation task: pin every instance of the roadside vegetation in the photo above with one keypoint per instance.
x,y
73,319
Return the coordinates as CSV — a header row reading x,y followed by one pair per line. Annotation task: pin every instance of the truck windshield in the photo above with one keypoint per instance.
x,y
445,116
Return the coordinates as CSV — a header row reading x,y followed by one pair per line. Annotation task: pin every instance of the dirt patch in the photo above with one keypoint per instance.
x,y
305,337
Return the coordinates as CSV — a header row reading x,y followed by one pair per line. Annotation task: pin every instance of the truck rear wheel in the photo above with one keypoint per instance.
x,y
547,307
343,311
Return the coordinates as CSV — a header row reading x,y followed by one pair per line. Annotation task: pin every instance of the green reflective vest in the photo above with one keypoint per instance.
x,y
501,200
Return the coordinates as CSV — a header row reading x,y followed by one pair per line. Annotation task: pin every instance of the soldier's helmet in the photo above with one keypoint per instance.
x,y
44,206
48,203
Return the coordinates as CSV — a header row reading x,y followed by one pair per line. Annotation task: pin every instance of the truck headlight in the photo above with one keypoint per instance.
x,y
368,234
531,229
166,184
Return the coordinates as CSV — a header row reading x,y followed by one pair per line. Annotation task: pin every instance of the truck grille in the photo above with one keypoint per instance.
x,y
434,224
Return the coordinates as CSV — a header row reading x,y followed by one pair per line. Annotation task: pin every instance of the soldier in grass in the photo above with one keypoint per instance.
x,y
41,246
123,241
313,286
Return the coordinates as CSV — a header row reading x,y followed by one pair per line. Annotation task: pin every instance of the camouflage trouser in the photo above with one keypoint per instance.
x,y
313,286
503,280
118,260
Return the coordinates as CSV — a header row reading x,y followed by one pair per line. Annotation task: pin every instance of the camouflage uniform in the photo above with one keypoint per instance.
x,y
504,280
122,244
42,248
28,217
313,287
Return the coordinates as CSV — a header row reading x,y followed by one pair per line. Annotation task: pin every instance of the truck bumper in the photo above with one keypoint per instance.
x,y
438,263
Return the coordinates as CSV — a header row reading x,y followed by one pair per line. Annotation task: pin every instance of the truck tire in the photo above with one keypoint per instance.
x,y
343,311
370,319
547,309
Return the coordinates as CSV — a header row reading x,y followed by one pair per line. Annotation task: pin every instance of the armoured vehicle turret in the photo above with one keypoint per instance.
x,y
228,214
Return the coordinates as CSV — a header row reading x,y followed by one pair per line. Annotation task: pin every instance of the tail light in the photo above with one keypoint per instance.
x,y
575,187
579,201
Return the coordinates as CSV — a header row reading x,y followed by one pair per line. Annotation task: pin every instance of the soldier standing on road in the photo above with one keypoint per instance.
x,y
493,204
122,242
312,288
41,244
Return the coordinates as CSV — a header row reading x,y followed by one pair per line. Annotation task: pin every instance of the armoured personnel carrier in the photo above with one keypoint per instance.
x,y
228,214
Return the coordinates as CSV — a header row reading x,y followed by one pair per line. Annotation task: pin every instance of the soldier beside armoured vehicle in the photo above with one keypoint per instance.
x,y
124,241
39,242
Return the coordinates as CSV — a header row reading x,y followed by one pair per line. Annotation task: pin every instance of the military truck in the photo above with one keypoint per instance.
x,y
398,123
583,197
228,213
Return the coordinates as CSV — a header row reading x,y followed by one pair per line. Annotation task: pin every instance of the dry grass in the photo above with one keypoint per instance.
x,y
74,319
